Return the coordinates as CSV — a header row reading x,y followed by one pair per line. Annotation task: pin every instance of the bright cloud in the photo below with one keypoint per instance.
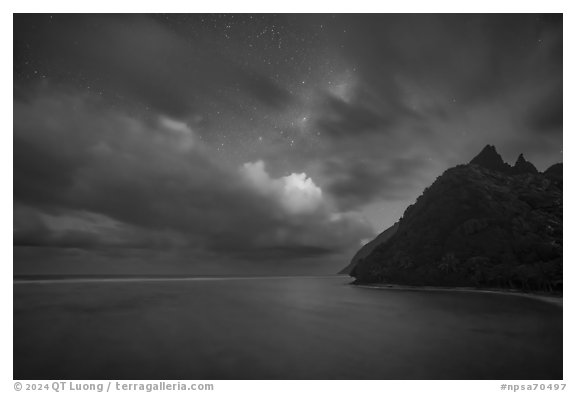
x,y
296,193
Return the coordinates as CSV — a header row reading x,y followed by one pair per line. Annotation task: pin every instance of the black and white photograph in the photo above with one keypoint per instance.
x,y
288,196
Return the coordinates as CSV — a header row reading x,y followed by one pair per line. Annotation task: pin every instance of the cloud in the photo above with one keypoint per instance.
x,y
413,70
183,135
296,193
83,229
95,177
547,114
340,118
354,183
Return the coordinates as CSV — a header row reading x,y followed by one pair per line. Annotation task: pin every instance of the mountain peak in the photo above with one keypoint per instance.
x,y
490,159
523,166
521,160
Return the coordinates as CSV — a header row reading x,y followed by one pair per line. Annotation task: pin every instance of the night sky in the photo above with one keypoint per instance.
x,y
260,143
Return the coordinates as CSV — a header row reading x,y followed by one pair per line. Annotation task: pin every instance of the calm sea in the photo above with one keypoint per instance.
x,y
277,328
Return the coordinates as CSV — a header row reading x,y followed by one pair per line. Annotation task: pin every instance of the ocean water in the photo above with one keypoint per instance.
x,y
278,328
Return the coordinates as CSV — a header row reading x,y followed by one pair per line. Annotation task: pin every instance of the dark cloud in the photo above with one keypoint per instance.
x,y
340,118
418,68
39,175
150,182
355,183
547,114
265,90
469,57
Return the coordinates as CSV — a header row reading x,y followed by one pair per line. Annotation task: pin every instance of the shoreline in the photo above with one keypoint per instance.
x,y
47,280
550,299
